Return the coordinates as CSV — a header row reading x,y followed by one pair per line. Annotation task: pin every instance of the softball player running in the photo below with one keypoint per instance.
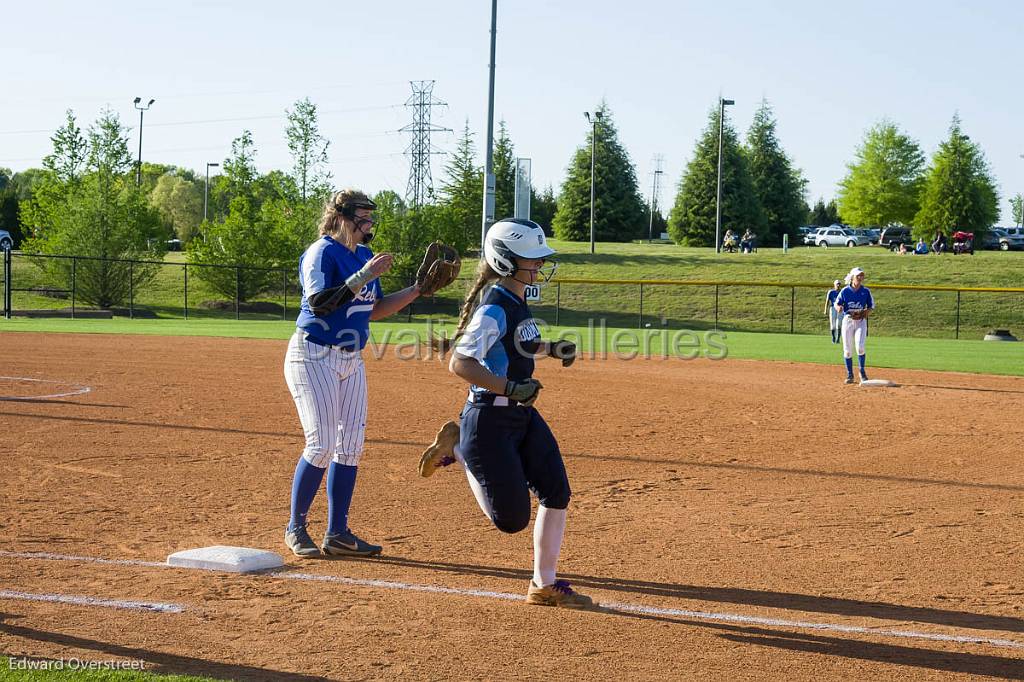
x,y
835,317
856,304
504,444
324,367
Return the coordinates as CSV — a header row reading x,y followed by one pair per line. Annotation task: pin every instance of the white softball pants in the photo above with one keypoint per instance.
x,y
328,386
854,334
834,317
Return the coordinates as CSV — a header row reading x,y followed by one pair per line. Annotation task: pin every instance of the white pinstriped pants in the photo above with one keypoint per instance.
x,y
328,386
854,334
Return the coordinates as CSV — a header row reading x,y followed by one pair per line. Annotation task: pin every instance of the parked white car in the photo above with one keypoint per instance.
x,y
839,236
6,241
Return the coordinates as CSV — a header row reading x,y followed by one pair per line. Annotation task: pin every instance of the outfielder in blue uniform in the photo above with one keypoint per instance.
x,y
856,304
503,442
835,318
324,367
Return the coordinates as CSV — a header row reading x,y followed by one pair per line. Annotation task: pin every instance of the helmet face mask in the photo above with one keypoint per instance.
x,y
512,239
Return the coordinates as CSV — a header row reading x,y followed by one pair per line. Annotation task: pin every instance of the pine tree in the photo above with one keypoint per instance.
x,y
543,207
462,190
504,175
959,193
692,222
619,210
779,187
823,214
883,185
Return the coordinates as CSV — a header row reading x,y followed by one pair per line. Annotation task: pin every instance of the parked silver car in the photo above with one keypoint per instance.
x,y
839,236
6,241
1001,239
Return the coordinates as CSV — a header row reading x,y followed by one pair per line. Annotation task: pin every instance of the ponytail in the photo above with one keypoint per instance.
x,y
485,274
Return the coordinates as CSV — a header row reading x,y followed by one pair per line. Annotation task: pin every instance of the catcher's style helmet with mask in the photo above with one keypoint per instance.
x,y
513,238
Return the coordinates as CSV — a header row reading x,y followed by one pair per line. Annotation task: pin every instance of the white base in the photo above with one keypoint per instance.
x,y
878,383
222,558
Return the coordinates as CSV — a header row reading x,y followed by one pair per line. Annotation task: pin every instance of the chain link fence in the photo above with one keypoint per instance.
x,y
178,290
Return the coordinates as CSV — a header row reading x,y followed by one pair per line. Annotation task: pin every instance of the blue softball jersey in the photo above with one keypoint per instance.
x,y
326,264
502,336
855,299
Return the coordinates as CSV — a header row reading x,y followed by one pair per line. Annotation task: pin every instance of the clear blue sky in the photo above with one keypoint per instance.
x,y
830,70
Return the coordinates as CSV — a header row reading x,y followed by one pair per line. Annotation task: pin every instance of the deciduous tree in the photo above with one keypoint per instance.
x,y
883,184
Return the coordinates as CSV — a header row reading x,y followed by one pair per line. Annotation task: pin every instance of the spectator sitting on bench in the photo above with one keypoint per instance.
x,y
748,244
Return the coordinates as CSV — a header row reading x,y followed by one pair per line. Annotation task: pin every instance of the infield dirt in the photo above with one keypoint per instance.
x,y
742,488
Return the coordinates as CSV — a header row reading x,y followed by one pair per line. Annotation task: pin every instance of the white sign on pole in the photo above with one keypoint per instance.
x,y
522,192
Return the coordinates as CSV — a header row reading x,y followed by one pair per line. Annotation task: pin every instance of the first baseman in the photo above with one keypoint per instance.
x,y
503,442
324,366
856,304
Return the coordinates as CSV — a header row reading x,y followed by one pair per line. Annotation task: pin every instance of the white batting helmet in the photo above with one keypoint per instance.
x,y
511,238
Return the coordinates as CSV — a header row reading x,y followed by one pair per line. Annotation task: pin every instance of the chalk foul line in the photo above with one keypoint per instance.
x,y
711,616
81,600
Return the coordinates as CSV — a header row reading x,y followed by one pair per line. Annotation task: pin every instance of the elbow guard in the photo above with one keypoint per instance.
x,y
325,302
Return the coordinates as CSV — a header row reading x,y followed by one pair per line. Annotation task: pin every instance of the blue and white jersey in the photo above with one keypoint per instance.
x,y
502,336
851,299
327,264
832,295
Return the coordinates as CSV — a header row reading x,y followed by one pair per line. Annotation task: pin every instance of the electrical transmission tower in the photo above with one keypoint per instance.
x,y
657,172
419,151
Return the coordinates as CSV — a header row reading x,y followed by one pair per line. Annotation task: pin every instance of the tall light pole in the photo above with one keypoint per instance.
x,y
488,212
206,190
593,155
1021,204
722,104
654,201
142,110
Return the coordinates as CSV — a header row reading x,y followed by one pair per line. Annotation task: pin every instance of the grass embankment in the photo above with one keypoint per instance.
x,y
735,308
984,357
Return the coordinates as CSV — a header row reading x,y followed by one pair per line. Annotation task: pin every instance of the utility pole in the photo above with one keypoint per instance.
x,y
593,155
658,160
722,104
488,210
421,183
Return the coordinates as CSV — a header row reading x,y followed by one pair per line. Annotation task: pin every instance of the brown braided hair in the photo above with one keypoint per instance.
x,y
485,274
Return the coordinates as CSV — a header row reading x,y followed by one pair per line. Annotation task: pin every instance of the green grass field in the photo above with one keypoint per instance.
x,y
984,357
930,314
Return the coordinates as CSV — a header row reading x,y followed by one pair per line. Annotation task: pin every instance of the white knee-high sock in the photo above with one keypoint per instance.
x,y
548,530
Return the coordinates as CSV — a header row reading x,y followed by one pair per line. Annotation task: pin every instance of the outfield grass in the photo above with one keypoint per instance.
x,y
934,314
982,357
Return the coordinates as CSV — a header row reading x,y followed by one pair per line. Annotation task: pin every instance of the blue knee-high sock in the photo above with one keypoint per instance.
x,y
341,482
860,361
849,366
304,486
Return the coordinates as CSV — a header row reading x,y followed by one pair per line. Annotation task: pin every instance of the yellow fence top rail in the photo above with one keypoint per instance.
x,y
804,285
